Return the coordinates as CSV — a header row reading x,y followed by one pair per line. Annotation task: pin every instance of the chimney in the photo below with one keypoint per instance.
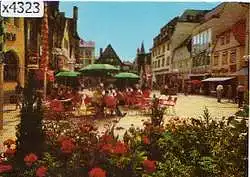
x,y
75,13
100,52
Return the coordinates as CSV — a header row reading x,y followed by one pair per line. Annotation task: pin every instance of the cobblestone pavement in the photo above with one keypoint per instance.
x,y
187,106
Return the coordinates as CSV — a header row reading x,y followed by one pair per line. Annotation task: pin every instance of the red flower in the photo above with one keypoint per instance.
x,y
67,146
145,140
30,159
5,168
10,152
97,172
120,148
149,166
61,138
41,171
107,148
107,138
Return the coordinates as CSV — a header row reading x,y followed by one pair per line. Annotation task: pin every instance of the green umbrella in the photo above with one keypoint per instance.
x,y
67,74
126,75
99,67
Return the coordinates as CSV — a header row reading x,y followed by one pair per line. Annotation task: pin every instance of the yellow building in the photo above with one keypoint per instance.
x,y
14,61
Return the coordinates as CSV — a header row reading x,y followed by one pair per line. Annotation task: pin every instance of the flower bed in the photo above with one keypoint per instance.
x,y
201,147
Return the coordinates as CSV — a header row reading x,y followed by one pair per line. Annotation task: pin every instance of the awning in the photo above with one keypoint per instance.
x,y
197,75
217,79
242,72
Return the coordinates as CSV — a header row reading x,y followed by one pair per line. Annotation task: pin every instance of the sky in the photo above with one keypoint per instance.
x,y
125,25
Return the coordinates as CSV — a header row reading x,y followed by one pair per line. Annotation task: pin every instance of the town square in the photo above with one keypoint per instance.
x,y
90,90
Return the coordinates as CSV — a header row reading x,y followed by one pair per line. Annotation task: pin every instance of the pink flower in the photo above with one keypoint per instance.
x,y
97,172
30,159
41,171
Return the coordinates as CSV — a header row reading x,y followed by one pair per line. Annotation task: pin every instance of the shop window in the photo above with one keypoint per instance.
x,y
216,59
233,56
10,66
224,58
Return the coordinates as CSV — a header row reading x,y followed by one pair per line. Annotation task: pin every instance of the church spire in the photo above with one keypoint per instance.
x,y
138,50
142,48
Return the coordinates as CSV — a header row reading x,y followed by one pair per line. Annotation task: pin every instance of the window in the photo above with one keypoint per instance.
x,y
222,40
163,48
224,58
168,46
16,22
159,63
11,66
168,60
163,62
233,56
216,58
227,37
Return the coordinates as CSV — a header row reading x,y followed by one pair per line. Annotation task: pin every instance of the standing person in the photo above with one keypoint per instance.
x,y
219,90
240,92
18,93
229,93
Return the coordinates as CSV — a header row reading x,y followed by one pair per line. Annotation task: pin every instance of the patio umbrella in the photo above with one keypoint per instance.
x,y
126,75
67,74
99,67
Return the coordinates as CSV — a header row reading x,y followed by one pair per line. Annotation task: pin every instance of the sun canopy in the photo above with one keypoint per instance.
x,y
126,75
217,79
67,74
99,67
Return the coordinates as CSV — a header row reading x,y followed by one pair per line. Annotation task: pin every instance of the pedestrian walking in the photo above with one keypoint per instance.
x,y
229,93
219,91
18,95
240,93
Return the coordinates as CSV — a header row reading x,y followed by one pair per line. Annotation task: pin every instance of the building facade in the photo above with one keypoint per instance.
x,y
62,35
182,62
206,37
109,56
86,54
162,56
14,59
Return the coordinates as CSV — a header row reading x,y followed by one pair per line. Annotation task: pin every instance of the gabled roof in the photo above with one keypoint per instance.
x,y
109,56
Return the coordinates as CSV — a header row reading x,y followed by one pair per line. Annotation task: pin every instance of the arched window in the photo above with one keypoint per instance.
x,y
11,66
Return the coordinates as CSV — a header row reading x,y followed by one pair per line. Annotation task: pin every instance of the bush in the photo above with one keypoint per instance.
x,y
199,147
